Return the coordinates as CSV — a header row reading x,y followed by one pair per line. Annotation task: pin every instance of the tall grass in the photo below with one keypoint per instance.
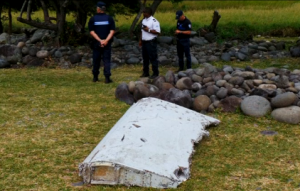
x,y
278,18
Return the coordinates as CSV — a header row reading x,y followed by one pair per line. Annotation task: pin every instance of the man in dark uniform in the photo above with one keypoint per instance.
x,y
150,31
102,28
183,32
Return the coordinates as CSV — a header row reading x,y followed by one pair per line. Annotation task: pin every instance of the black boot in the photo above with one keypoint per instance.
x,y
108,80
153,76
95,79
144,75
180,69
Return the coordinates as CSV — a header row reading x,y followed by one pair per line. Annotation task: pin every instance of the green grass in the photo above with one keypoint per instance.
x,y
187,5
51,119
274,18
278,21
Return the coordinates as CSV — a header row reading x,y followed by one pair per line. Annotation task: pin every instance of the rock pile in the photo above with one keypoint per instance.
x,y
255,91
37,47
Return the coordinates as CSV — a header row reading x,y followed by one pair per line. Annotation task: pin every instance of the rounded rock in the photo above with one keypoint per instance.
x,y
58,54
25,50
289,115
220,83
42,54
255,106
21,44
184,83
222,93
201,103
283,100
131,86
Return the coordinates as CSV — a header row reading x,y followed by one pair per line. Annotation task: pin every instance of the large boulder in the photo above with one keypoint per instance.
x,y
283,100
38,35
158,81
163,60
122,93
141,91
255,106
133,60
182,98
33,51
230,104
165,39
295,51
170,77
35,62
236,80
281,81
75,58
226,57
25,50
197,41
42,54
8,50
4,38
11,53
194,60
208,69
115,43
201,103
210,37
26,59
4,63
289,115
184,83
222,93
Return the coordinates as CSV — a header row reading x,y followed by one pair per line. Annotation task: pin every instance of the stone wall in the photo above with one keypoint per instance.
x,y
37,48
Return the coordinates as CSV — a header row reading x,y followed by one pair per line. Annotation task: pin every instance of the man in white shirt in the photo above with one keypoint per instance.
x,y
150,31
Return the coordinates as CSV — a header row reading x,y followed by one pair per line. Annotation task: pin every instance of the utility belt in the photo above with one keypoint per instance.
x,y
152,40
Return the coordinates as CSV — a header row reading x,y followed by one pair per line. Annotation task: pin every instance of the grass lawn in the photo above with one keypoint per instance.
x,y
51,119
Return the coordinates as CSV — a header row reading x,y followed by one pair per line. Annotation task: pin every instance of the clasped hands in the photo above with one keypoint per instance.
x,y
103,43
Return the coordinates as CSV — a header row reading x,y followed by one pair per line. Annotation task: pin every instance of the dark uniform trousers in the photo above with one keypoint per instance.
x,y
105,53
183,47
149,52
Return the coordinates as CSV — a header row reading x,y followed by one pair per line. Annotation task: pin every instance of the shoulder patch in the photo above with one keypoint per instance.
x,y
154,20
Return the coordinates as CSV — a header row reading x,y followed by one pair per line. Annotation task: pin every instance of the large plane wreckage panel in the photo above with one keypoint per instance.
x,y
150,146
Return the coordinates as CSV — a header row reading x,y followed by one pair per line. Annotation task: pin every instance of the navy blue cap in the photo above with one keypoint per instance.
x,y
178,14
101,4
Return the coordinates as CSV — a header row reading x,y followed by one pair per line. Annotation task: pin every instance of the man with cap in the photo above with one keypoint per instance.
x,y
183,32
102,29
150,31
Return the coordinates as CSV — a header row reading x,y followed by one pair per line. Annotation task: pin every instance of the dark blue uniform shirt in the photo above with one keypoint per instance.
x,y
184,25
102,24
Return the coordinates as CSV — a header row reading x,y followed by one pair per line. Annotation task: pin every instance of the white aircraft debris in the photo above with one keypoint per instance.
x,y
150,146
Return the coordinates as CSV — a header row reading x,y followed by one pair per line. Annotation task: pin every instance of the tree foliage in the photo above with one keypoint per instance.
x,y
81,10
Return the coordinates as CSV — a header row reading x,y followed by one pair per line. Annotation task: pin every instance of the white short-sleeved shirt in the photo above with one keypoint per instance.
x,y
152,24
